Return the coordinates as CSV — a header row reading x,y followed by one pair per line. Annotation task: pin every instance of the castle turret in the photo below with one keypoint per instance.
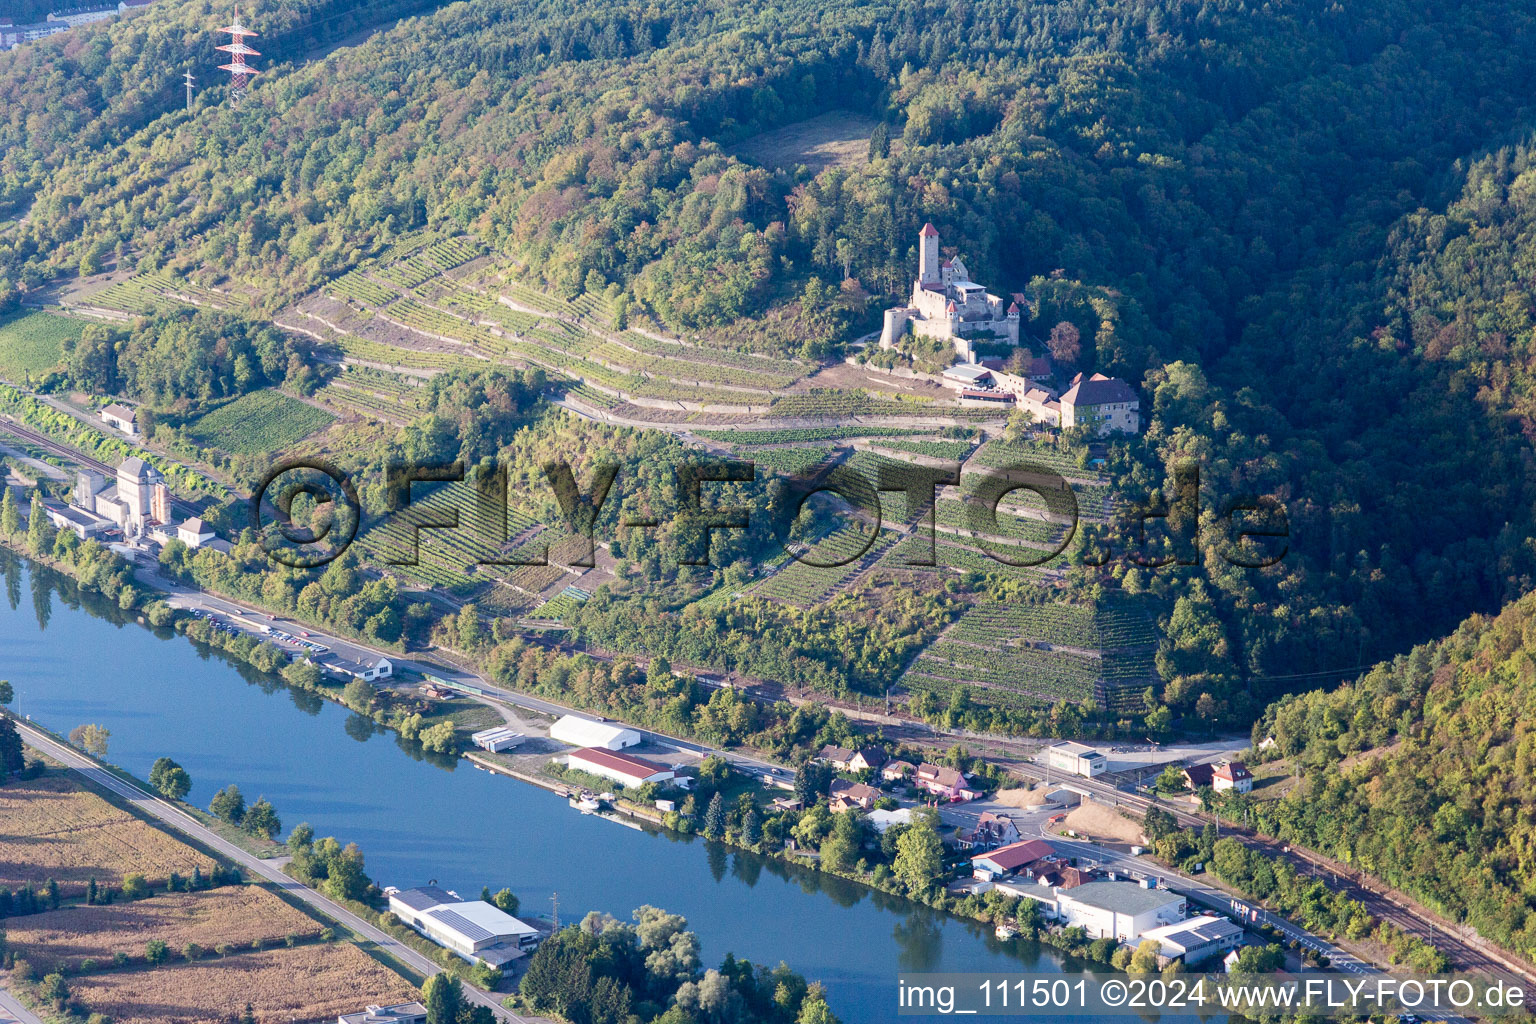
x,y
928,255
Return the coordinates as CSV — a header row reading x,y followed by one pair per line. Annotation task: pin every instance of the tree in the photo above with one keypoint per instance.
x,y
879,142
506,901
812,780
39,529
7,691
1144,960
438,738
1171,780
1065,343
714,818
229,804
262,820
90,738
442,997
54,989
10,515
751,829
156,952
12,759
357,695
919,857
135,886
249,1015
170,778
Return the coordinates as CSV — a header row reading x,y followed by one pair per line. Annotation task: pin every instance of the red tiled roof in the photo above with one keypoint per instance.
x,y
627,763
1016,855
929,231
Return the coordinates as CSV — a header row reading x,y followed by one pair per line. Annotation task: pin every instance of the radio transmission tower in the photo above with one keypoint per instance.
x,y
240,72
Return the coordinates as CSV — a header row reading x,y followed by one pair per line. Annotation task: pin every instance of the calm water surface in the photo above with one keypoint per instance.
x,y
74,661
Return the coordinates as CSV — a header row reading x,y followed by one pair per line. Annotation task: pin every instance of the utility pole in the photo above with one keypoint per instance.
x,y
554,898
190,80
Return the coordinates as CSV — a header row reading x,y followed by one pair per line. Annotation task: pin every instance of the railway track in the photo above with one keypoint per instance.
x,y
48,444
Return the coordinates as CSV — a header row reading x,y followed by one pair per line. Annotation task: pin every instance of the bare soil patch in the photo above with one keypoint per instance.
x,y
1102,823
1023,799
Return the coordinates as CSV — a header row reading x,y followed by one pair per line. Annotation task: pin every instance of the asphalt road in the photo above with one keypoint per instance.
x,y
12,1012
176,818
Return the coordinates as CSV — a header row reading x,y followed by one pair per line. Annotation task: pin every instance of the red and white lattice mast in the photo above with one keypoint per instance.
x,y
240,72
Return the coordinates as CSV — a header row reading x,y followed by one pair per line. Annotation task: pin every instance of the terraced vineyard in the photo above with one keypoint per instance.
x,y
784,460
1017,655
450,557
826,402
424,264
952,451
144,293
949,555
376,393
1012,656
999,454
791,435
851,548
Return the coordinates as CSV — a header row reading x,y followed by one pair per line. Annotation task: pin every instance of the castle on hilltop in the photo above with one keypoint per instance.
x,y
947,304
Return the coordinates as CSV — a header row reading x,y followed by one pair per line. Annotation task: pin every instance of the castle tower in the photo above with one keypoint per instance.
x,y
928,255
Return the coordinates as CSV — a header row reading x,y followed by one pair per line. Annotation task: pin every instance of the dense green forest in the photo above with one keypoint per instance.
x,y
1226,199
1421,773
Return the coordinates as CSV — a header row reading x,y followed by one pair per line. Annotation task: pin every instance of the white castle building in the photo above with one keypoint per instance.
x,y
947,304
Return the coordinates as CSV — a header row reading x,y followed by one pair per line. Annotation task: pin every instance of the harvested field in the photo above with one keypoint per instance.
x,y
237,915
1103,823
50,828
307,983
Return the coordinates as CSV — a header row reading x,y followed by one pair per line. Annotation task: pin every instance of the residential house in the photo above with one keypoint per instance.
x,y
845,796
1197,776
866,759
194,533
1232,775
1010,860
837,757
120,417
945,783
991,831
896,771
1108,404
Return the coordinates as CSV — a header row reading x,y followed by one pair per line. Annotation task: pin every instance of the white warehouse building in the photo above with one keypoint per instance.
x,y
475,930
584,732
1077,758
1119,910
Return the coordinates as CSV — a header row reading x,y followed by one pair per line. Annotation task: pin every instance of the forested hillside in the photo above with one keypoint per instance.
x,y
1214,193
1424,773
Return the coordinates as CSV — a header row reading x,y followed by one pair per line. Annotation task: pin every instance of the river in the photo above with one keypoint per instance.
x,y
74,659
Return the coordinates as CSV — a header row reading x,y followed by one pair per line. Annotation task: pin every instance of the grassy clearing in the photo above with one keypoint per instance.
x,y
53,829
315,982
834,139
257,423
33,343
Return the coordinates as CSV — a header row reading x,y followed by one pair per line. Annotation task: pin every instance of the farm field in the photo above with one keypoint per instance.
x,y
50,828
309,982
259,422
33,343
237,915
